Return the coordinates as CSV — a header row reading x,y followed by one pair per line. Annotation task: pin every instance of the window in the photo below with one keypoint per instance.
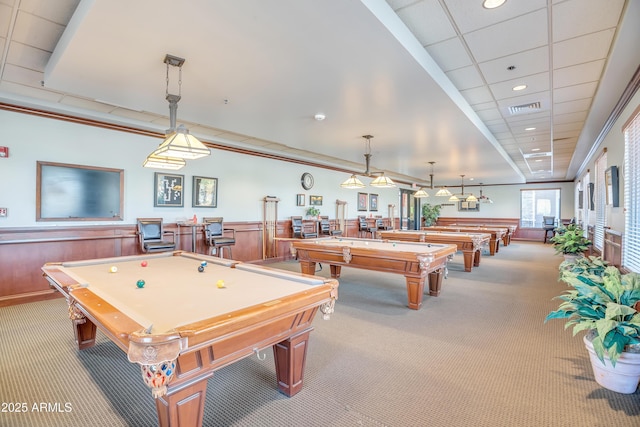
x,y
600,202
631,249
534,204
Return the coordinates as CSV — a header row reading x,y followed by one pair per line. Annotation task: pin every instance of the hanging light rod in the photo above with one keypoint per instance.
x,y
178,143
381,181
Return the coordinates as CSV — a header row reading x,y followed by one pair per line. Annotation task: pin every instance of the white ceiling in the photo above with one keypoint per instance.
x,y
429,79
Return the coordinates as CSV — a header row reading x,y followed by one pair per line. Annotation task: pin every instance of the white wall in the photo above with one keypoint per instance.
x,y
243,181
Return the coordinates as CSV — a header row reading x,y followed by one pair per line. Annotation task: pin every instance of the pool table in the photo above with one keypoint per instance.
x,y
416,261
497,233
470,244
181,324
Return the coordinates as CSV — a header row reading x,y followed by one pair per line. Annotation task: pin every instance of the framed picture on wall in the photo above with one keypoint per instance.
x,y
612,186
205,192
373,202
315,200
300,200
464,206
168,190
362,201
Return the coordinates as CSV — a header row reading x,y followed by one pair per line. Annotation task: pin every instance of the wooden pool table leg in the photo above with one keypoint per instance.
x,y
435,282
468,259
493,247
184,406
476,258
84,329
415,289
290,357
307,267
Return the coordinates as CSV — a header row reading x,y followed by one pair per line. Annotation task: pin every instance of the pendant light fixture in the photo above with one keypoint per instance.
x,y
421,193
457,197
380,181
178,143
483,198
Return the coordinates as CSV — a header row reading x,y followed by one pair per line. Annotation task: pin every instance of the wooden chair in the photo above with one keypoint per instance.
x,y
380,225
151,236
548,225
214,236
325,227
297,229
364,228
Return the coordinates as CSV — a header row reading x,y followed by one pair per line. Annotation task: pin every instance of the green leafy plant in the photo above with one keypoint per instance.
x,y
606,304
570,240
584,265
430,213
313,211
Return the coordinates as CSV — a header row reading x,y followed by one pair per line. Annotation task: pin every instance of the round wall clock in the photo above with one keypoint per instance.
x,y
306,181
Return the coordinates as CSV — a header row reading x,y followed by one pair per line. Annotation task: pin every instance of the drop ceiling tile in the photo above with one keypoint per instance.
x,y
427,21
488,115
22,75
470,16
580,50
579,116
582,73
533,61
477,95
575,18
485,106
28,57
498,40
450,54
571,106
571,93
465,78
37,32
58,11
535,83
5,20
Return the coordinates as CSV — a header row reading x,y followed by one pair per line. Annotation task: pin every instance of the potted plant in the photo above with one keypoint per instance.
x,y
430,214
606,304
313,212
570,241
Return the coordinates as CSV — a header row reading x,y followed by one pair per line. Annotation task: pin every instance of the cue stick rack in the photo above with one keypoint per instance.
x,y
341,215
269,227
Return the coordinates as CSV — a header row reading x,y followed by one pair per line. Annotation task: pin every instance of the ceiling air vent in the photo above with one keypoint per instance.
x,y
525,108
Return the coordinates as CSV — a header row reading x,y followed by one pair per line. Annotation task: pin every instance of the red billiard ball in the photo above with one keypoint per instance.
x,y
143,263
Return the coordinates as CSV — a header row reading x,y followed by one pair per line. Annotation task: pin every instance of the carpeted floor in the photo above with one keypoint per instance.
x,y
478,355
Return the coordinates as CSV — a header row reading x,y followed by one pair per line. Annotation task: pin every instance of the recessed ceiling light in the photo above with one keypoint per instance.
x,y
535,149
529,128
538,160
520,87
319,117
492,4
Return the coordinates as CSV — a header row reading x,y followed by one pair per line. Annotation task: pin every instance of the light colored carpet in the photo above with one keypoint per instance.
x,y
478,355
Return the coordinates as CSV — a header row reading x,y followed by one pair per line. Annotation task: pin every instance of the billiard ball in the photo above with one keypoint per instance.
x,y
203,263
143,263
200,269
140,284
113,269
220,284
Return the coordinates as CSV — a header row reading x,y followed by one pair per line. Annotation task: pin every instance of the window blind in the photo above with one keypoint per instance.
x,y
600,202
631,248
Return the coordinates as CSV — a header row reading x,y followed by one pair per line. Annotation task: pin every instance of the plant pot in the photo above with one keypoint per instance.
x,y
622,378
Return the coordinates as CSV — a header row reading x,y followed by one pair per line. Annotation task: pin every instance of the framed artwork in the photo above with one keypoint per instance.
x,y
373,202
362,201
592,190
464,206
315,200
168,190
300,200
205,192
612,186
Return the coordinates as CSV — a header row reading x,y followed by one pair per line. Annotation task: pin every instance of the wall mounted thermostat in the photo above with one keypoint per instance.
x,y
4,151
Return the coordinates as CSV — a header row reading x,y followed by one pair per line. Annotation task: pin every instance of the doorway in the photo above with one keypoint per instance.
x,y
409,211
